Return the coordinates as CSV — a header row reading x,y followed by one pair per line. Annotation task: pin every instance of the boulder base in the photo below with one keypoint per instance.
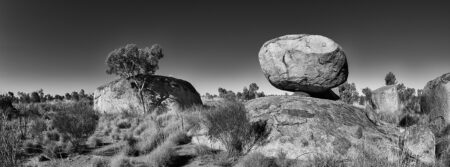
x,y
304,128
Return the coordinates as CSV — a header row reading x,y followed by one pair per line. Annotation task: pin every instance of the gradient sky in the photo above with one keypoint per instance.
x,y
62,46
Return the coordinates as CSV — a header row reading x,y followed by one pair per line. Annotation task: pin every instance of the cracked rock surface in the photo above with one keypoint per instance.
x,y
119,95
435,100
304,127
307,63
387,103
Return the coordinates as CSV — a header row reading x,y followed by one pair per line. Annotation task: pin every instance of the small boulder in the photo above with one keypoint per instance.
x,y
419,142
42,158
308,63
435,100
387,103
120,95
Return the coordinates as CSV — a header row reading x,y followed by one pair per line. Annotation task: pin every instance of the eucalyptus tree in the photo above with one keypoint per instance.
x,y
135,64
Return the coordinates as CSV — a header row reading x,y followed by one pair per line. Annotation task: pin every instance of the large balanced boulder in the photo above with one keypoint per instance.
x,y
305,127
308,63
120,95
435,99
387,103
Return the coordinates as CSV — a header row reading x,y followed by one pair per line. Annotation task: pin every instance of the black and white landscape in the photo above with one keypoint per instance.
x,y
244,84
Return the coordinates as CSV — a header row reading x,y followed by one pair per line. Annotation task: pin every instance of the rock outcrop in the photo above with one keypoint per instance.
x,y
308,63
387,103
120,95
304,127
419,142
435,100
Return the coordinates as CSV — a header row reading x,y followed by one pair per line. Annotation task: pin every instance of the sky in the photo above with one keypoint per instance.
x,y
61,46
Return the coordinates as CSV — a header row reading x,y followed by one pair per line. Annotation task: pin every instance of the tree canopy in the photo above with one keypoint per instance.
x,y
130,60
390,79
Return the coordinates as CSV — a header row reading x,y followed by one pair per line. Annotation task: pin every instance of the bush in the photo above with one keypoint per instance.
x,y
52,135
121,161
55,150
162,156
201,150
258,159
130,149
94,141
150,141
228,124
37,127
100,162
31,147
179,138
124,124
78,121
9,143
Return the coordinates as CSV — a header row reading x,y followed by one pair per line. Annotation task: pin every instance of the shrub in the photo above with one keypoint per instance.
x,y
130,149
38,126
55,150
330,162
179,138
120,161
258,159
9,143
52,135
124,124
162,156
78,121
94,141
228,124
348,93
32,147
100,162
109,150
150,141
202,149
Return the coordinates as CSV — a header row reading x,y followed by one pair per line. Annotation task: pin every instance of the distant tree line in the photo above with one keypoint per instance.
x,y
40,97
248,93
408,96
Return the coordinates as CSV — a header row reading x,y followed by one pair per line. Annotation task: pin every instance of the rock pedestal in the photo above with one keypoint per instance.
x,y
304,127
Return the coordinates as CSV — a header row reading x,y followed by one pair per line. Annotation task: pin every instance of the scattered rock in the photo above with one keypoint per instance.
x,y
119,95
435,101
43,158
304,127
387,103
309,63
420,143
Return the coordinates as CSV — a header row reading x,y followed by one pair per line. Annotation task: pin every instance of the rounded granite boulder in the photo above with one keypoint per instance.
x,y
307,63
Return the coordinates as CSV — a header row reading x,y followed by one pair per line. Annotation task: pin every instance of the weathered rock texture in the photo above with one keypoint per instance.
x,y
387,103
309,63
435,99
419,142
304,127
119,95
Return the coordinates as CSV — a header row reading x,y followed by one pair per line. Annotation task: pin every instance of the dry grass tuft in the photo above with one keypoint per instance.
x,y
120,161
